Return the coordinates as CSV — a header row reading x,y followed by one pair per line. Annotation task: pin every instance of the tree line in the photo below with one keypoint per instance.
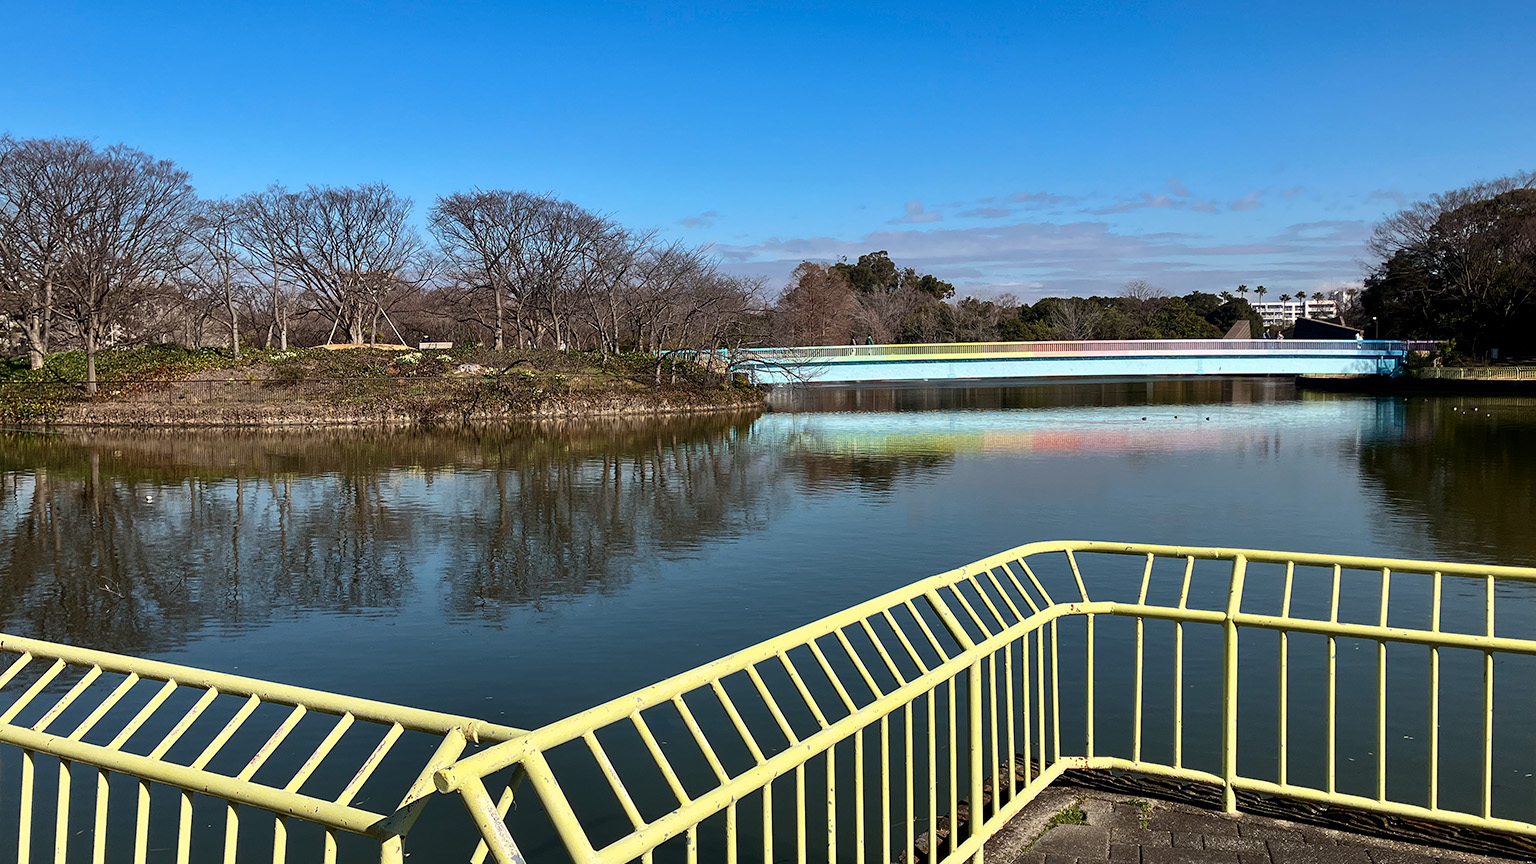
x,y
109,246
1460,266
874,300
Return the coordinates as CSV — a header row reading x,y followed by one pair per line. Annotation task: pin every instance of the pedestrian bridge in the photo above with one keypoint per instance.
x,y
911,727
978,361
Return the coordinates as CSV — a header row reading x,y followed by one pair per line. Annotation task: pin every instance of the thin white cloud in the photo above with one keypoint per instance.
x,y
1291,192
987,213
1176,186
1393,196
1041,258
915,215
703,220
1249,202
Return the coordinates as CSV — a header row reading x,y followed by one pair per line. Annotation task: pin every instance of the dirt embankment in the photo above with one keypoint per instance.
x,y
168,386
257,406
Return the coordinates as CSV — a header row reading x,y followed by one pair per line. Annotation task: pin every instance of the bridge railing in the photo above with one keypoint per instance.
x,y
843,353
912,727
135,760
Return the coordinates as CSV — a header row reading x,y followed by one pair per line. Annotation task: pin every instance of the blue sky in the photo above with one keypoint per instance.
x,y
1032,148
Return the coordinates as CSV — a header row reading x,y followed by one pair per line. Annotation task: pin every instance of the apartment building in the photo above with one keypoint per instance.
x,y
1282,314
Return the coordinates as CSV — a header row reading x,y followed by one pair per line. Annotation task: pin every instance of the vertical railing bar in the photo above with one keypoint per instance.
x,y
768,823
1285,685
1089,684
1381,691
800,821
1178,666
954,762
1434,697
1333,686
99,835
974,745
1487,808
1040,695
1013,719
730,833
858,793
660,758
1077,575
933,776
1141,624
1024,702
909,815
885,788
905,642
995,763
1055,693
61,826
24,815
831,803
1229,690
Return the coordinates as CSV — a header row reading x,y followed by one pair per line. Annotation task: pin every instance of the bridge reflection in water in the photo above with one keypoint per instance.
x,y
855,364
909,727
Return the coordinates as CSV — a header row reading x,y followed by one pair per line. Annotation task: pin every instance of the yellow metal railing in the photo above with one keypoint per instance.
x,y
907,728
302,759
913,726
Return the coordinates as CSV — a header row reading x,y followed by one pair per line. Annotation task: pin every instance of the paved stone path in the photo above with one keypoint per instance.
x,y
1120,829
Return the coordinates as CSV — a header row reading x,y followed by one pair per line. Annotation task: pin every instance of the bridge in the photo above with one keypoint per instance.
x,y
911,727
979,361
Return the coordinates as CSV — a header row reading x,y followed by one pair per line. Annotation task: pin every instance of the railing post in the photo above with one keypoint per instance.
x,y
1229,688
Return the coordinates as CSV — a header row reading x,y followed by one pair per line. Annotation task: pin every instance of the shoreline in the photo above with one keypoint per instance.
x,y
1412,384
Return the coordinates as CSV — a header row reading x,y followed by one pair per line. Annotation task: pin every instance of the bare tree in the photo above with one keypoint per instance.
x,y
1075,318
354,251
126,242
484,235
215,267
43,189
267,226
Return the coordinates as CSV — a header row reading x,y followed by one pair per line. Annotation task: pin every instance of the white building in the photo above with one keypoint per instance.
x,y
1282,314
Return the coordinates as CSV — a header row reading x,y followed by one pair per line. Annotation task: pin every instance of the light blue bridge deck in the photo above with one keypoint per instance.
x,y
974,361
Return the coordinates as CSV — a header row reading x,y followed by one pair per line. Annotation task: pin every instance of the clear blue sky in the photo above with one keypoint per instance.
x,y
1037,149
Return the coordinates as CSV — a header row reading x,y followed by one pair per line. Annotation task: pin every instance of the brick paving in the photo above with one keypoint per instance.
x,y
1121,829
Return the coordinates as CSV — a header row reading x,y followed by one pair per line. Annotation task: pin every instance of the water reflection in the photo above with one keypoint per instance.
x,y
138,542
1462,468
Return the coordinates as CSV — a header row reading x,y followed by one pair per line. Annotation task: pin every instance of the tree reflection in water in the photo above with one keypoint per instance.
x,y
133,542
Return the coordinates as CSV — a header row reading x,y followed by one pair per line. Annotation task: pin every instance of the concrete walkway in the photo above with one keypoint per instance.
x,y
1076,826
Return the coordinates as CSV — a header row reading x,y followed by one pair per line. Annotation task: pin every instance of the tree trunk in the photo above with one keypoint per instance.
x,y
90,356
501,316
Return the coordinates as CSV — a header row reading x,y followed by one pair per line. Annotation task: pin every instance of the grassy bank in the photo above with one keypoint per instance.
x,y
167,385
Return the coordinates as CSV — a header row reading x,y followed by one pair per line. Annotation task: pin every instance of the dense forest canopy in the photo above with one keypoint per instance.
x,y
1460,266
